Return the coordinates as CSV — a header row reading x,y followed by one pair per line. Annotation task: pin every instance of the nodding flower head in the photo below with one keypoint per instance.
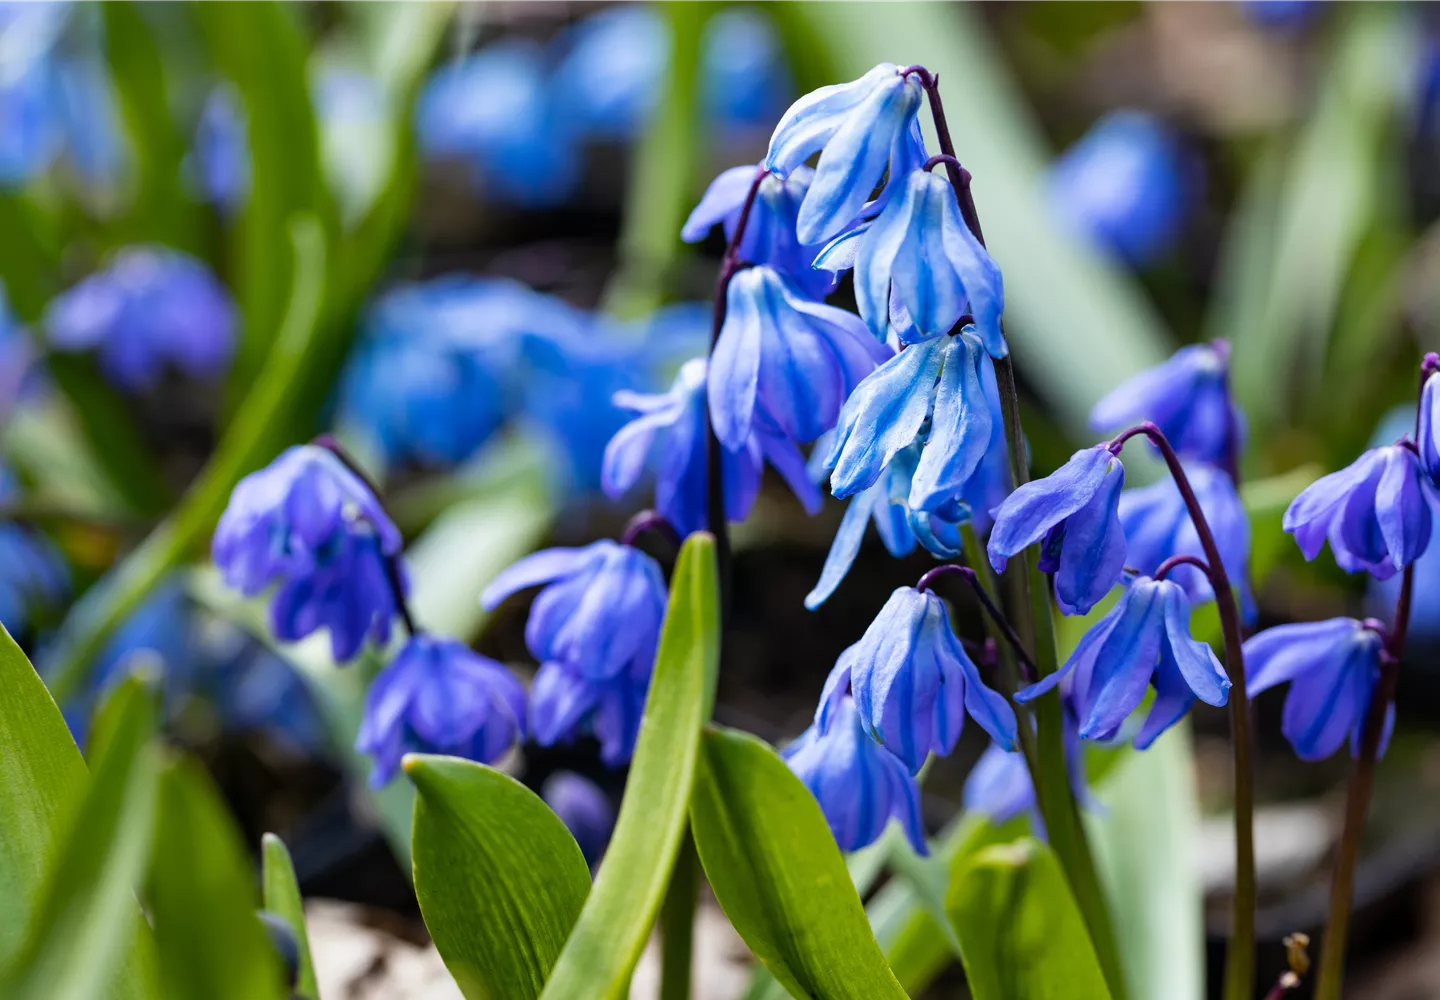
x,y
565,705
438,696
33,574
584,809
1075,511
1144,639
858,128
310,524
1000,786
1332,667
1429,443
668,435
859,784
784,360
913,683
1375,513
1188,398
769,236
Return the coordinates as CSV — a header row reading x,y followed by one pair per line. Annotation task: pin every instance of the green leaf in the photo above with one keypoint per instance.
x,y
85,939
500,880
606,943
281,895
202,897
1265,503
246,444
1021,935
777,873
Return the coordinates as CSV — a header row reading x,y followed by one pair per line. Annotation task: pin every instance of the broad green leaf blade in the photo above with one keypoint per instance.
x,y
86,907
606,943
1146,835
281,895
1021,936
777,873
202,898
500,880
247,443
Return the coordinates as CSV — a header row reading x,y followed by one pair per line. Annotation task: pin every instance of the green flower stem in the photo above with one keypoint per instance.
x,y
677,925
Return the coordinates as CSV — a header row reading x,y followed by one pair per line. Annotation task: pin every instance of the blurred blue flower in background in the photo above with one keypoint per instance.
x,y
95,146
221,156
33,574
1282,14
356,144
583,808
608,80
149,308
1125,186
17,358
29,138
744,79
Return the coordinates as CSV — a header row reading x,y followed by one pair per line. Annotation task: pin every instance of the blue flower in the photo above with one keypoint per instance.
x,y
1157,526
95,146
29,134
1125,186
743,77
1287,15
1188,398
769,236
1333,667
309,523
255,691
438,696
33,574
600,611
913,682
564,705
1000,785
583,808
934,391
221,155
150,307
1429,436
668,434
1075,511
784,360
1375,513
17,360
859,784
1144,639
610,77
862,127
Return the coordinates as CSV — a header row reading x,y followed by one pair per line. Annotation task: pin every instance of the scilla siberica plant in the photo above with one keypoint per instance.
x,y
916,397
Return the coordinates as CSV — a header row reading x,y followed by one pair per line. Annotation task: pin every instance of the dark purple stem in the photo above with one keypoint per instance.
x,y
1182,559
1240,962
927,582
949,161
650,520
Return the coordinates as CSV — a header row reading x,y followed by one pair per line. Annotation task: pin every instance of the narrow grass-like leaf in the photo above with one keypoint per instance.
x,y
281,895
606,943
500,880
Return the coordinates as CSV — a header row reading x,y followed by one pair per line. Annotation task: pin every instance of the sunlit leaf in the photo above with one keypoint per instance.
x,y
281,894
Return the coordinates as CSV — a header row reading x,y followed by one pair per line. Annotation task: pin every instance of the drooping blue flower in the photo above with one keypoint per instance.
x,y
255,691
1428,442
913,682
438,696
1000,786
859,784
783,360
1332,667
1144,640
1157,526
33,574
89,108
1375,513
583,808
564,705
1125,186
933,391
600,610
309,524
769,236
30,136
1188,398
667,435
743,77
1075,511
149,308
221,154
610,77
860,130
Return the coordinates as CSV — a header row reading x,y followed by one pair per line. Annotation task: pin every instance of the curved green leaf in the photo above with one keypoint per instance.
x,y
281,894
1021,935
500,880
606,943
775,868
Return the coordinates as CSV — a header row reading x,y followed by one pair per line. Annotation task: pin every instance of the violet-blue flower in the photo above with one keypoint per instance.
x,y
744,80
1188,398
859,784
30,135
1428,443
438,696
667,434
150,307
584,809
1375,513
565,705
1144,639
933,391
784,360
913,683
311,525
1333,667
769,236
220,159
858,128
1074,510
599,612
610,77
1000,785
33,574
